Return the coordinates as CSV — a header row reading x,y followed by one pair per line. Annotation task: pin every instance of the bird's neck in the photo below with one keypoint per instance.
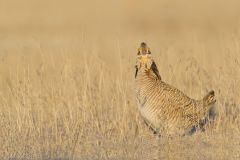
x,y
146,76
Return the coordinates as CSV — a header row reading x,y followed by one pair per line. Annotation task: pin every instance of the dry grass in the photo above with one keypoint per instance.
x,y
68,93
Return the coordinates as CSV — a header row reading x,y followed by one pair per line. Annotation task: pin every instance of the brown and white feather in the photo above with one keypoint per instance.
x,y
165,108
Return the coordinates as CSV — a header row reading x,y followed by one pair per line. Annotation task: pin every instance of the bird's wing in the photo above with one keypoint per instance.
x,y
181,102
177,98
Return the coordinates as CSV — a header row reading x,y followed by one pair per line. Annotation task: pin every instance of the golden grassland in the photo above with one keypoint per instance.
x,y
72,100
68,92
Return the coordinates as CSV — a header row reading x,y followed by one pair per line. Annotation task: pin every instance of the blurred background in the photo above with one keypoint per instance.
x,y
208,24
143,15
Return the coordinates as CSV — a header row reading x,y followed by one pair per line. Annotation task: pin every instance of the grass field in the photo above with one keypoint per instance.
x,y
67,78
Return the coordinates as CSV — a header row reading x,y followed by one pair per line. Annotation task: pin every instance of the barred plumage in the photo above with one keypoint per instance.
x,y
166,109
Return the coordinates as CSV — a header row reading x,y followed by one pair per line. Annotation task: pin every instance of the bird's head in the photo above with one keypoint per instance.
x,y
145,62
144,58
143,49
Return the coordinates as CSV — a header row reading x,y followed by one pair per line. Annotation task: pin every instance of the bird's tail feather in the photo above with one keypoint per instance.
x,y
209,99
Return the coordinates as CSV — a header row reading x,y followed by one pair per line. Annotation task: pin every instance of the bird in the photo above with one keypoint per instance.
x,y
164,108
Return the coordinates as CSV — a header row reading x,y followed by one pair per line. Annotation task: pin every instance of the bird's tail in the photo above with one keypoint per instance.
x,y
209,108
209,99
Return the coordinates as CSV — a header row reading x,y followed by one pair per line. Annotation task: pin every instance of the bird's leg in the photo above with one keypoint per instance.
x,y
155,131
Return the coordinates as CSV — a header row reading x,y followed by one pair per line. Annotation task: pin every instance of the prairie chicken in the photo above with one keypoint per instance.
x,y
164,108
